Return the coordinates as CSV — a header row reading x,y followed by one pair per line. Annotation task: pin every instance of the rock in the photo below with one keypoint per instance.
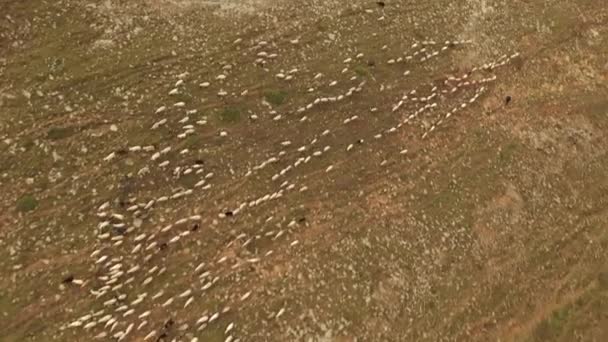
x,y
103,44
594,33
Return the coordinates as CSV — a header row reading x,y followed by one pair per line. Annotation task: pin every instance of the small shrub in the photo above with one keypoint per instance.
x,y
26,203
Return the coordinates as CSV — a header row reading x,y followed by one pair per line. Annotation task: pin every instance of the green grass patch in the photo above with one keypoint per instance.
x,y
193,142
27,203
145,136
58,133
361,71
212,335
230,115
597,112
507,153
551,328
275,97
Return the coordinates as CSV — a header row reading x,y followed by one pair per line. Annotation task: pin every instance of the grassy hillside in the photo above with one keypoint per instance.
x,y
304,171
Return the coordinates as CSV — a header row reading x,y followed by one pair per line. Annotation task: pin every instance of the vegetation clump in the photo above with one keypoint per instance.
x,y
57,133
27,203
276,97
230,115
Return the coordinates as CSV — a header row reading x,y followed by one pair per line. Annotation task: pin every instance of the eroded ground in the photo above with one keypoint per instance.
x,y
304,171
